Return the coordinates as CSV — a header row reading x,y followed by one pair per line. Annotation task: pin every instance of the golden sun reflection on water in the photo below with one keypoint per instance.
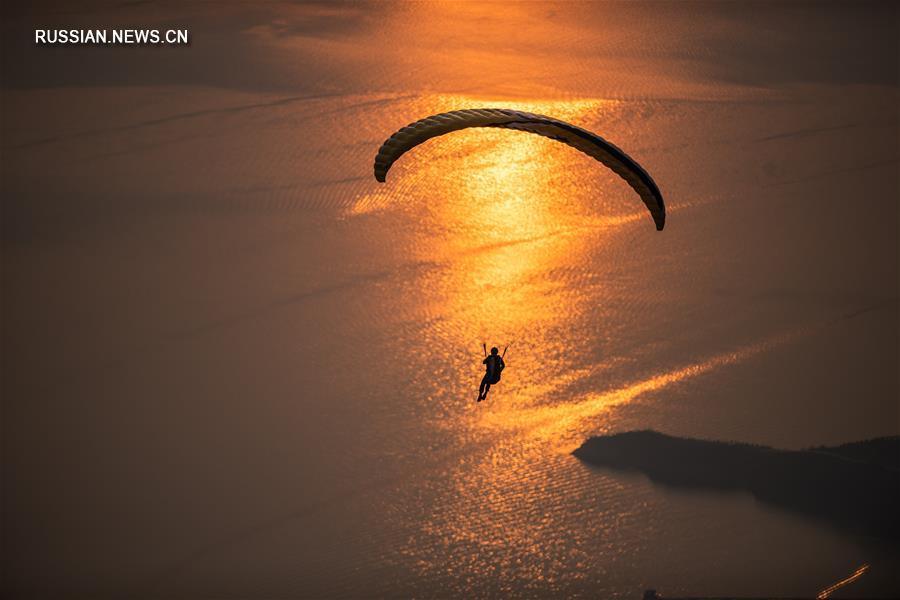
x,y
514,224
513,486
559,422
495,205
520,234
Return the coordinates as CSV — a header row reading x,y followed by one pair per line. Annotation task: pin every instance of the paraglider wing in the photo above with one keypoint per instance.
x,y
591,144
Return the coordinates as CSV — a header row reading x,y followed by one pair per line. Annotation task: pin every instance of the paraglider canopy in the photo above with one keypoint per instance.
x,y
591,144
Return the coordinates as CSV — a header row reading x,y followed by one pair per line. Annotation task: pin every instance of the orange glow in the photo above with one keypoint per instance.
x,y
853,577
521,435
505,217
508,207
563,421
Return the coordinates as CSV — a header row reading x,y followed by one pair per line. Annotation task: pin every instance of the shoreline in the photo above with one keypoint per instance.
x,y
855,485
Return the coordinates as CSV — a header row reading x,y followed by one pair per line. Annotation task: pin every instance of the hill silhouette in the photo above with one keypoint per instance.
x,y
854,485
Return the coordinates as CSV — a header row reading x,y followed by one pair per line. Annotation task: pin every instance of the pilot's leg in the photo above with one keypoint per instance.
x,y
483,389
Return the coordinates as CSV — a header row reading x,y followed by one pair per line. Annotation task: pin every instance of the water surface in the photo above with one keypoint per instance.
x,y
236,366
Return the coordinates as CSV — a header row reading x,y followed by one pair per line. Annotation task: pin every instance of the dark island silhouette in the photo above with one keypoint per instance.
x,y
855,485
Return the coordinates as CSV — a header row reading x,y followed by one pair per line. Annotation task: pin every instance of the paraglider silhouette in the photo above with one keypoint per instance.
x,y
407,138
494,366
591,144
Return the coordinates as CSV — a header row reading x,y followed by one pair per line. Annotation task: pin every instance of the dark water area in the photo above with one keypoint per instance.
x,y
236,366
